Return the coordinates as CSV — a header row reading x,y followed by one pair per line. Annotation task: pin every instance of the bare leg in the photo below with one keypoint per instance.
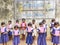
x,y
56,44
53,44
30,44
27,44
4,43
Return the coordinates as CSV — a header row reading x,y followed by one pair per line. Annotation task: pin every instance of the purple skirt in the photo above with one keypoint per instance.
x,y
16,40
55,39
0,40
41,39
29,38
4,38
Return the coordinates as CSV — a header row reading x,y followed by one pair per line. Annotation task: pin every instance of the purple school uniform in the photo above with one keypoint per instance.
x,y
4,36
0,39
9,29
16,39
45,26
29,38
52,25
41,37
55,39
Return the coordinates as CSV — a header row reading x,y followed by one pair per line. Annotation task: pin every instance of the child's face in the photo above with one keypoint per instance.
x,y
56,25
17,22
54,21
9,22
3,25
33,22
44,22
30,26
41,25
23,20
16,28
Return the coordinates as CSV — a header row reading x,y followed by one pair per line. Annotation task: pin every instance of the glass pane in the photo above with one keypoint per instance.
x,y
35,8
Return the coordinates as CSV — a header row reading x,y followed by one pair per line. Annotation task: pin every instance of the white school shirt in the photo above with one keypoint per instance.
x,y
51,23
17,24
45,26
3,29
29,29
33,25
16,32
57,32
9,27
42,29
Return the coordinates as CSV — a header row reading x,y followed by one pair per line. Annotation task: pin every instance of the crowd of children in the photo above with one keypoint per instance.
x,y
29,32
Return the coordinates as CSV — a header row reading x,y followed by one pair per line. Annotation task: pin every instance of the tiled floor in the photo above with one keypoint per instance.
x,y
23,43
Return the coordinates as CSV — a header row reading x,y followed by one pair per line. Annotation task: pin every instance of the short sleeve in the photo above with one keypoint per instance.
x,y
53,31
38,30
5,29
32,30
26,29
19,32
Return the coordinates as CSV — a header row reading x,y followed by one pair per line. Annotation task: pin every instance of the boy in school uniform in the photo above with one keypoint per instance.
x,y
9,27
35,29
52,23
17,23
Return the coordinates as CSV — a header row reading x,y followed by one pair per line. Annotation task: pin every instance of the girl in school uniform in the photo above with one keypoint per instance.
x,y
16,35
41,35
56,33
35,30
45,25
29,38
4,34
23,28
9,27
52,23
51,26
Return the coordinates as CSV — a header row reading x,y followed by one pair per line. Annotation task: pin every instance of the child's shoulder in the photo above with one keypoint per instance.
x,y
56,28
5,27
40,27
30,28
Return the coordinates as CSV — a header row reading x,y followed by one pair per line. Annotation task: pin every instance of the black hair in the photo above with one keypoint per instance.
x,y
40,23
30,24
23,18
56,23
33,20
16,26
43,20
52,20
2,23
17,20
10,21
